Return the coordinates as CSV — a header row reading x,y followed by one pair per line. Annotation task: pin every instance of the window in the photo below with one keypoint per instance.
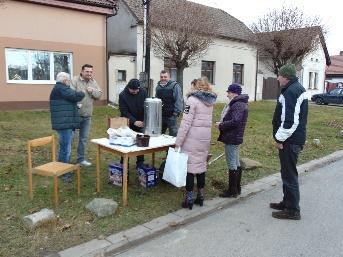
x,y
121,75
238,73
207,70
313,80
170,66
35,67
315,85
336,91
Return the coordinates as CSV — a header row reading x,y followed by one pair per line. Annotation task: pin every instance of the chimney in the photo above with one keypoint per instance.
x,y
341,53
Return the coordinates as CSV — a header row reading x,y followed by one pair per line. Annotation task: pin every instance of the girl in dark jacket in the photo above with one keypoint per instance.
x,y
231,130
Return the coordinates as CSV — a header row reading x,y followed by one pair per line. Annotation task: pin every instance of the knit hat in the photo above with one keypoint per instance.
x,y
288,71
134,84
235,88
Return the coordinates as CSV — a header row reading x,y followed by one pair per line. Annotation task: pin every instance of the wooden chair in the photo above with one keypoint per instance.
x,y
117,122
52,169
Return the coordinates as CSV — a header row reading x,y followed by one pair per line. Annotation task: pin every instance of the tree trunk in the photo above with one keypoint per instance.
x,y
179,78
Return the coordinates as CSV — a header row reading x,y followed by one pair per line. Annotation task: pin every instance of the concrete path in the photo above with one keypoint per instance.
x,y
247,228
248,215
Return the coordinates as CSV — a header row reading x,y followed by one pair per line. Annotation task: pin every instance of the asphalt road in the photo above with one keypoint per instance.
x,y
247,228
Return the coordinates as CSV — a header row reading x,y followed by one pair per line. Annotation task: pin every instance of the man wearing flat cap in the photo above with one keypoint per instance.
x,y
289,132
131,106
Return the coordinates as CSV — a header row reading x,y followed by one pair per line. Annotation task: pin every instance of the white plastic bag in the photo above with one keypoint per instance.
x,y
175,170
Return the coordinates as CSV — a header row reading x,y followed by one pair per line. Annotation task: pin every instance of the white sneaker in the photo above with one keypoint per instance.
x,y
85,163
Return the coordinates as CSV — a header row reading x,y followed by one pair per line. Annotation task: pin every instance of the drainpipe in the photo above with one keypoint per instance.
x,y
107,55
256,76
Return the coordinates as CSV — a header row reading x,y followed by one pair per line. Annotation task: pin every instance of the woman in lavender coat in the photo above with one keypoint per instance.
x,y
231,128
194,137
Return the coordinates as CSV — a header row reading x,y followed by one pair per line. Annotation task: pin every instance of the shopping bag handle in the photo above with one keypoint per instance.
x,y
178,150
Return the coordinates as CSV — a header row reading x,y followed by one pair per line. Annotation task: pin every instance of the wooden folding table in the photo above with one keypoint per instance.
x,y
156,144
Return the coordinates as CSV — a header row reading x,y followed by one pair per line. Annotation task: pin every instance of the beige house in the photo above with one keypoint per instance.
x,y
40,38
231,58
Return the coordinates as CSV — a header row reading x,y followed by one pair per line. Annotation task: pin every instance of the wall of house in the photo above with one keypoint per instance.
x,y
122,32
335,80
39,27
224,53
116,85
314,62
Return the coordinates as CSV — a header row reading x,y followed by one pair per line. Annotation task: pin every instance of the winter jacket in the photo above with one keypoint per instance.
x,y
63,107
290,115
194,134
231,129
79,84
171,97
132,106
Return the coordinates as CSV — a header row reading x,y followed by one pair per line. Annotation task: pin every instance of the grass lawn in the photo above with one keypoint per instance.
x,y
76,225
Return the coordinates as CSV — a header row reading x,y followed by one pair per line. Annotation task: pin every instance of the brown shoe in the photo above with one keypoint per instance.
x,y
277,206
286,214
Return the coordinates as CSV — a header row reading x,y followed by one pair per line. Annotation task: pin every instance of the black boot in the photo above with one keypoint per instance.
x,y
200,197
188,201
239,178
232,190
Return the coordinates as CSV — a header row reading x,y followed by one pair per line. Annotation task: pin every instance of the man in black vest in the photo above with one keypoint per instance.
x,y
169,92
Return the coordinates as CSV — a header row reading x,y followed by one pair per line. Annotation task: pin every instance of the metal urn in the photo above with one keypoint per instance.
x,y
152,116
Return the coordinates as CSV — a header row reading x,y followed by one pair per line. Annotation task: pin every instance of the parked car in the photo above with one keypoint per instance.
x,y
335,96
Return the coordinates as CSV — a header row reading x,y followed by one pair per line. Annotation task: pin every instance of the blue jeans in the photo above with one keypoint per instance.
x,y
65,140
170,124
232,156
85,126
289,174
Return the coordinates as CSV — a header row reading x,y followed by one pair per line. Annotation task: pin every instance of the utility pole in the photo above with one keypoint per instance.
x,y
146,4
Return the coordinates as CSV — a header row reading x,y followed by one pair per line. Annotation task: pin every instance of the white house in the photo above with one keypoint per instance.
x,y
230,59
313,67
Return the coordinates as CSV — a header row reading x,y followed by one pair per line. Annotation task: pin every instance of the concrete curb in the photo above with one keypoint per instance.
x,y
124,240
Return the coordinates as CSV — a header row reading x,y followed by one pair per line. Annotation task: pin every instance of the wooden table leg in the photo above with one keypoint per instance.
x,y
56,190
98,170
153,159
125,172
78,180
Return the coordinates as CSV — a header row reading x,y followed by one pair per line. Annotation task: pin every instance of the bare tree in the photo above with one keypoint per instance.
x,y
286,36
183,34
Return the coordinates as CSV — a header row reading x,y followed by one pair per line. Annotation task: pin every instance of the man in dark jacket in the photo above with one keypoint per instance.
x,y
169,92
231,130
289,132
65,116
131,105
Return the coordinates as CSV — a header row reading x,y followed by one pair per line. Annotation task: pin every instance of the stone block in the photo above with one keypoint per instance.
x,y
102,207
40,218
248,164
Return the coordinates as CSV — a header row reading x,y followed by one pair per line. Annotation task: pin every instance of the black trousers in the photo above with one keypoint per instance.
x,y
289,174
190,181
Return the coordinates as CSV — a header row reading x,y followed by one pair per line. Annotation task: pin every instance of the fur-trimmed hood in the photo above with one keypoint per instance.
x,y
208,98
